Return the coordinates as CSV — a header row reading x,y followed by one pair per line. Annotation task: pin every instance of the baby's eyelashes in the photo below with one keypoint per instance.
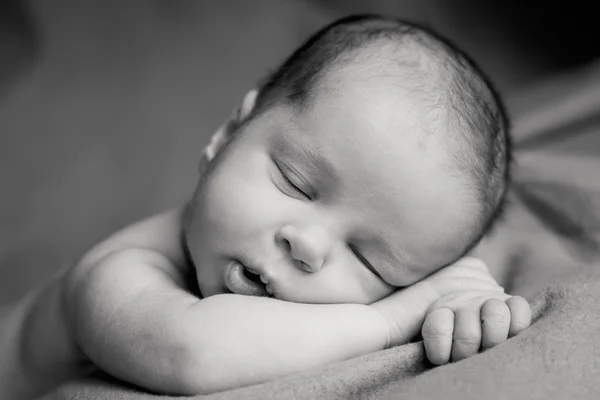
x,y
293,184
362,259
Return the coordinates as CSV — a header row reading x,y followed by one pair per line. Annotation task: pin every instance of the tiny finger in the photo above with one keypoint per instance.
x,y
495,322
467,333
520,315
437,335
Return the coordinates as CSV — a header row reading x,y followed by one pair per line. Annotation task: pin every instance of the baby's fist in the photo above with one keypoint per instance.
x,y
460,325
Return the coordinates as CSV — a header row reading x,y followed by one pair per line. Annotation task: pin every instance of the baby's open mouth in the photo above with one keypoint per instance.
x,y
241,280
253,277
258,279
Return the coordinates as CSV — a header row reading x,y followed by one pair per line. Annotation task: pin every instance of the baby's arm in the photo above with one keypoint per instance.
x,y
134,318
128,310
37,346
136,322
125,307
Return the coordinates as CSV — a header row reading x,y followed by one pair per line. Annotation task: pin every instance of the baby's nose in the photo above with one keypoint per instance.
x,y
309,248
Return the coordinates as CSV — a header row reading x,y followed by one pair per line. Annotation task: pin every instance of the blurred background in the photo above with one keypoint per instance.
x,y
105,105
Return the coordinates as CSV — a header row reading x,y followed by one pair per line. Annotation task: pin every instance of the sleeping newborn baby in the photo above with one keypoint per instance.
x,y
372,160
374,156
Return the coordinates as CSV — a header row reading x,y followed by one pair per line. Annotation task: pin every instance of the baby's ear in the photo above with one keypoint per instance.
x,y
228,129
248,105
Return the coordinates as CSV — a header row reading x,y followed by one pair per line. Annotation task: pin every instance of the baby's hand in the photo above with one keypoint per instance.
x,y
405,310
460,325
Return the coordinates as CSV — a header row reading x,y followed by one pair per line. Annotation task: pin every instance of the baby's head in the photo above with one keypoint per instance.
x,y
375,155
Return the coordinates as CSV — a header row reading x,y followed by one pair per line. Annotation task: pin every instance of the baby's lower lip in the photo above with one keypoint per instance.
x,y
238,283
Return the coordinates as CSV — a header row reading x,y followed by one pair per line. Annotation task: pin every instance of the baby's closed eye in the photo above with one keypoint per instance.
x,y
290,182
357,253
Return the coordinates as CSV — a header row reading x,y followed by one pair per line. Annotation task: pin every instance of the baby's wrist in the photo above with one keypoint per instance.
x,y
386,325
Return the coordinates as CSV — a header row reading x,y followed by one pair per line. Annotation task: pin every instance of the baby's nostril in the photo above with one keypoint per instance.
x,y
287,245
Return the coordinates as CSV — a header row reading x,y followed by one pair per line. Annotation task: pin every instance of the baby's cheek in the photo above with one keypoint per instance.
x,y
231,204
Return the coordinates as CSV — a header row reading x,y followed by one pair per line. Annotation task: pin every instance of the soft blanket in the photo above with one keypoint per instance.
x,y
546,249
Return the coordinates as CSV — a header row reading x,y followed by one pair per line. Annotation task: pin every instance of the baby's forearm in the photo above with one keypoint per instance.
x,y
246,340
228,341
37,350
138,324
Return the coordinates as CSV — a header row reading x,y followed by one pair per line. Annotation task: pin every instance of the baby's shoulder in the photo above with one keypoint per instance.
x,y
155,238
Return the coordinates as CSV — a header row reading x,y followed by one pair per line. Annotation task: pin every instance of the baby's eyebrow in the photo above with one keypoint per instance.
x,y
307,155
